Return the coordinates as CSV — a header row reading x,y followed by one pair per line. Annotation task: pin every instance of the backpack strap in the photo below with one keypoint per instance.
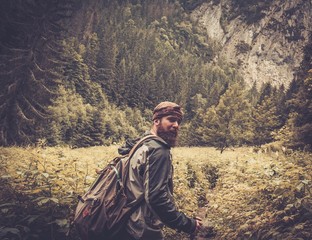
x,y
138,143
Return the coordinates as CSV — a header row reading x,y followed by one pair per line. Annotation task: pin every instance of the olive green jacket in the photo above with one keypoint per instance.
x,y
150,180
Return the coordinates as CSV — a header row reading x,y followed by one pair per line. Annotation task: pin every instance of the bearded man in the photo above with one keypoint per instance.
x,y
150,179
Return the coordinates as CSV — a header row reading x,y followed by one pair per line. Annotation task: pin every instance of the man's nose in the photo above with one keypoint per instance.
x,y
176,124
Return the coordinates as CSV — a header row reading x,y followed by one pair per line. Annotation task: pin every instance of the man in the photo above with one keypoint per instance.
x,y
150,179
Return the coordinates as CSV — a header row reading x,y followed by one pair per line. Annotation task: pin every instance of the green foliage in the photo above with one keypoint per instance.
x,y
271,197
268,114
67,110
163,53
252,10
228,123
98,85
190,4
80,124
29,53
264,121
253,94
211,174
298,130
191,176
40,205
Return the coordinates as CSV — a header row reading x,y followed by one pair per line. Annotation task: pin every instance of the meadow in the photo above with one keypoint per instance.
x,y
241,193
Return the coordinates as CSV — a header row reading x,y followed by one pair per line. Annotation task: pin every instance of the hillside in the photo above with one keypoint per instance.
x,y
241,194
89,73
265,38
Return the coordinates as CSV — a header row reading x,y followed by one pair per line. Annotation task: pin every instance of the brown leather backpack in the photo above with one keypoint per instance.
x,y
102,211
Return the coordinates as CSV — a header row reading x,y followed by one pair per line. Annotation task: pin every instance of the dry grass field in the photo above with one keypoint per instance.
x,y
240,194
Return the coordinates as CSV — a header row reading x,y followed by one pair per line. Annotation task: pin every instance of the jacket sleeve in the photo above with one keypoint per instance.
x,y
157,193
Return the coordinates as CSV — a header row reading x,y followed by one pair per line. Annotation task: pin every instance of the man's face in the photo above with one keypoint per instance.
x,y
168,128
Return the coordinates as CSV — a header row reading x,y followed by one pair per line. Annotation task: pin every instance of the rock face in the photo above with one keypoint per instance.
x,y
268,49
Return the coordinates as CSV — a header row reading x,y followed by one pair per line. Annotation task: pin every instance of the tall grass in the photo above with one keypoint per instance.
x,y
239,193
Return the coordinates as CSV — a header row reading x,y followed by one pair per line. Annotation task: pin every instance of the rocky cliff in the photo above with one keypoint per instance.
x,y
265,39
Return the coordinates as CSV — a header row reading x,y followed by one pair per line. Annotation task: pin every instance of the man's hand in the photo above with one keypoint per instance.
x,y
199,224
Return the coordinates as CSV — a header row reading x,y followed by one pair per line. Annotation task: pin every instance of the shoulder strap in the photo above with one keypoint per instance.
x,y
132,151
138,144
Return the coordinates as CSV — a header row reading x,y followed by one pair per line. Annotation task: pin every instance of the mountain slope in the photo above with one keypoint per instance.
x,y
266,39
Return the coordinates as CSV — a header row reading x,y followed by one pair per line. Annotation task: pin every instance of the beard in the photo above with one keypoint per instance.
x,y
170,136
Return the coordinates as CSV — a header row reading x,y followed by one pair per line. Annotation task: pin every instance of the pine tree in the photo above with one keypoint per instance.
x,y
228,123
301,117
67,112
29,53
264,121
266,91
76,72
280,103
253,94
191,133
91,53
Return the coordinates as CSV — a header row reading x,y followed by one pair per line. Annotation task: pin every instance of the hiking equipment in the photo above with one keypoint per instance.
x,y
103,210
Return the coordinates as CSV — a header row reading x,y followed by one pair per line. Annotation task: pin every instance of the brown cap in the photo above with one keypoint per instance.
x,y
167,108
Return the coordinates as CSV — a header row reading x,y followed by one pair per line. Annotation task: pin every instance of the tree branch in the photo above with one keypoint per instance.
x,y
34,110
21,113
14,49
3,105
38,68
13,70
40,83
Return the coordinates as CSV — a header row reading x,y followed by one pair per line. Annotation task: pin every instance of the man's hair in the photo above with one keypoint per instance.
x,y
167,108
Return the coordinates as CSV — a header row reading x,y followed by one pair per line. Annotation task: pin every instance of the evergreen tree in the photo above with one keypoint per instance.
x,y
280,102
76,73
90,54
264,121
266,91
96,128
228,123
191,133
253,94
29,53
67,112
196,104
301,117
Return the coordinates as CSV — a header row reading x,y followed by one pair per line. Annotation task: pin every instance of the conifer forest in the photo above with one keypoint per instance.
x,y
79,77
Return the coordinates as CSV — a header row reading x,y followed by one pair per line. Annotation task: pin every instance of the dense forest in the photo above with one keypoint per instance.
x,y
78,77
86,73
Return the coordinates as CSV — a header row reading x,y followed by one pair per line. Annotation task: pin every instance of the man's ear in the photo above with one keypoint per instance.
x,y
157,121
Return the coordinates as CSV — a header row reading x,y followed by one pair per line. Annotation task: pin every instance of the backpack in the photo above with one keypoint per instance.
x,y
103,210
